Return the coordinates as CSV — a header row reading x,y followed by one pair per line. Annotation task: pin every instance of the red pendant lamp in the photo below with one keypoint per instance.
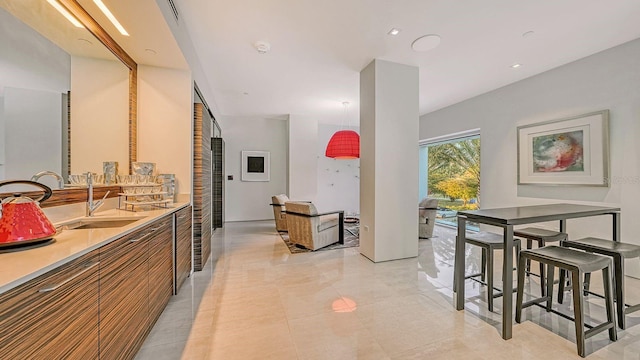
x,y
344,144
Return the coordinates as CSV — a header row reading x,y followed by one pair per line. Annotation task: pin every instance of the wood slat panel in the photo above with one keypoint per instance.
x,y
201,187
60,324
183,246
70,196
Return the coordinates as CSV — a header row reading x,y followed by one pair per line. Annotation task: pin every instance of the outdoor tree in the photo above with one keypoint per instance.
x,y
455,166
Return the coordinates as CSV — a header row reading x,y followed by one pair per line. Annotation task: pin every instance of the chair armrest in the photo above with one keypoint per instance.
x,y
331,212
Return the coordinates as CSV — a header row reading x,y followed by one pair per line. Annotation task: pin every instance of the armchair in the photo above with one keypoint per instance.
x,y
427,217
311,229
279,211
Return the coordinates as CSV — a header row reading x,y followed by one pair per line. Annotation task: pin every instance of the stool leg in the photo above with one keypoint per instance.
x,y
522,270
529,245
578,301
618,273
608,296
483,265
563,272
490,279
542,287
549,290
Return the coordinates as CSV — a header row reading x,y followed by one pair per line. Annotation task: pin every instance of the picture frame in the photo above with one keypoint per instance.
x,y
571,151
256,166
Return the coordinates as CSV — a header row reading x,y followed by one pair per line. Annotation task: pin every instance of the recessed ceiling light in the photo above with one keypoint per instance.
x,y
65,13
426,43
151,51
516,65
394,31
111,17
527,34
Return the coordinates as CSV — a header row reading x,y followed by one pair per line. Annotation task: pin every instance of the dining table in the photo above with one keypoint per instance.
x,y
506,218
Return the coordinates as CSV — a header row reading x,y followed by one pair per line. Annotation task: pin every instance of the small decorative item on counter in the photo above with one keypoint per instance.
x,y
78,180
143,168
110,170
22,219
169,185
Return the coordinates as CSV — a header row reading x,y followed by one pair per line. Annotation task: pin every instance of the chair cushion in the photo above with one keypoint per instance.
x,y
301,208
327,222
279,199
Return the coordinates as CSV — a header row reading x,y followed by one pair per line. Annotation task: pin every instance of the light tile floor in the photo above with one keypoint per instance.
x,y
260,302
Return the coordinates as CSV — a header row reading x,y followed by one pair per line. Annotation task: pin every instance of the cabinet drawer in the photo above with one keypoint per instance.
x,y
183,238
54,316
124,295
160,268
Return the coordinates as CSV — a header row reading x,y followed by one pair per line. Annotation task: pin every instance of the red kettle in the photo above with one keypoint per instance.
x,y
22,220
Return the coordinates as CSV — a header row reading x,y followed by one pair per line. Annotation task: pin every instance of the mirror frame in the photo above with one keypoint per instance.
x,y
76,195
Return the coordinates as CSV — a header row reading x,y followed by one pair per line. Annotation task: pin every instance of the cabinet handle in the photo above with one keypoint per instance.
x,y
140,238
182,216
55,287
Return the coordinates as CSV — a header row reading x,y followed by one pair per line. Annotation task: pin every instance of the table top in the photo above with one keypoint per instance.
x,y
536,213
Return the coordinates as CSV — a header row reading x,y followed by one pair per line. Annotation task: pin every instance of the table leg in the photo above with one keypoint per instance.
x,y
458,267
507,286
563,225
616,226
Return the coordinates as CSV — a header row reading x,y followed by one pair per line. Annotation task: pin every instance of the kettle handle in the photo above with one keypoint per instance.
x,y
47,190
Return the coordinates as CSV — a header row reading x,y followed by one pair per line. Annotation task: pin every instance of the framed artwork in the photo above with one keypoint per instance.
x,y
255,166
572,151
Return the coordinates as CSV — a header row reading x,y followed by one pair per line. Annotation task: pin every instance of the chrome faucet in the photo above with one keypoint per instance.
x,y
91,206
52,173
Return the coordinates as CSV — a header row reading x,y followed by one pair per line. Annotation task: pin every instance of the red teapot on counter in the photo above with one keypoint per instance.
x,y
22,220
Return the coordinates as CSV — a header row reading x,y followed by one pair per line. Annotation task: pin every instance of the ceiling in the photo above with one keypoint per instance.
x,y
319,47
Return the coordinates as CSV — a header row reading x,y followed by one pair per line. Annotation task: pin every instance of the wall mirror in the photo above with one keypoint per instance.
x,y
64,96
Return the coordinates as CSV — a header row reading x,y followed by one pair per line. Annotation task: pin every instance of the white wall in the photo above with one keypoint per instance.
x,y
607,80
99,114
165,122
33,66
338,180
249,200
33,127
303,157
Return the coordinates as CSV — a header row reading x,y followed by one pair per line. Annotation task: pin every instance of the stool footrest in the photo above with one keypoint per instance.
x,y
596,329
535,302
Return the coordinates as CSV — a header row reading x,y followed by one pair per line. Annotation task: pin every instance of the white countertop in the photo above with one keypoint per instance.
x,y
19,267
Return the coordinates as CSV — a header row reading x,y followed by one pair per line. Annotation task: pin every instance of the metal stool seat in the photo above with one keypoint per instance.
x,y
542,236
488,242
578,263
619,252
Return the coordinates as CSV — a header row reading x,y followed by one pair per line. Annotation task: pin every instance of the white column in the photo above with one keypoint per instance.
x,y
389,118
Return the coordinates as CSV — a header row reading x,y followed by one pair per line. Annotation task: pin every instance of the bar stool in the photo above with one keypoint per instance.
x,y
578,263
619,252
542,236
488,242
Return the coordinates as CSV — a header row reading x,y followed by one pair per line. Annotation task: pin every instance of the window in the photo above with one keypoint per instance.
x,y
450,172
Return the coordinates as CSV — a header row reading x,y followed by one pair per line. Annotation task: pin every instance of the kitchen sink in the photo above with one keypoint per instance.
x,y
97,223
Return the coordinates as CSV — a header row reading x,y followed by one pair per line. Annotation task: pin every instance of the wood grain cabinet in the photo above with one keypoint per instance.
x,y
54,316
182,247
103,304
160,267
124,306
